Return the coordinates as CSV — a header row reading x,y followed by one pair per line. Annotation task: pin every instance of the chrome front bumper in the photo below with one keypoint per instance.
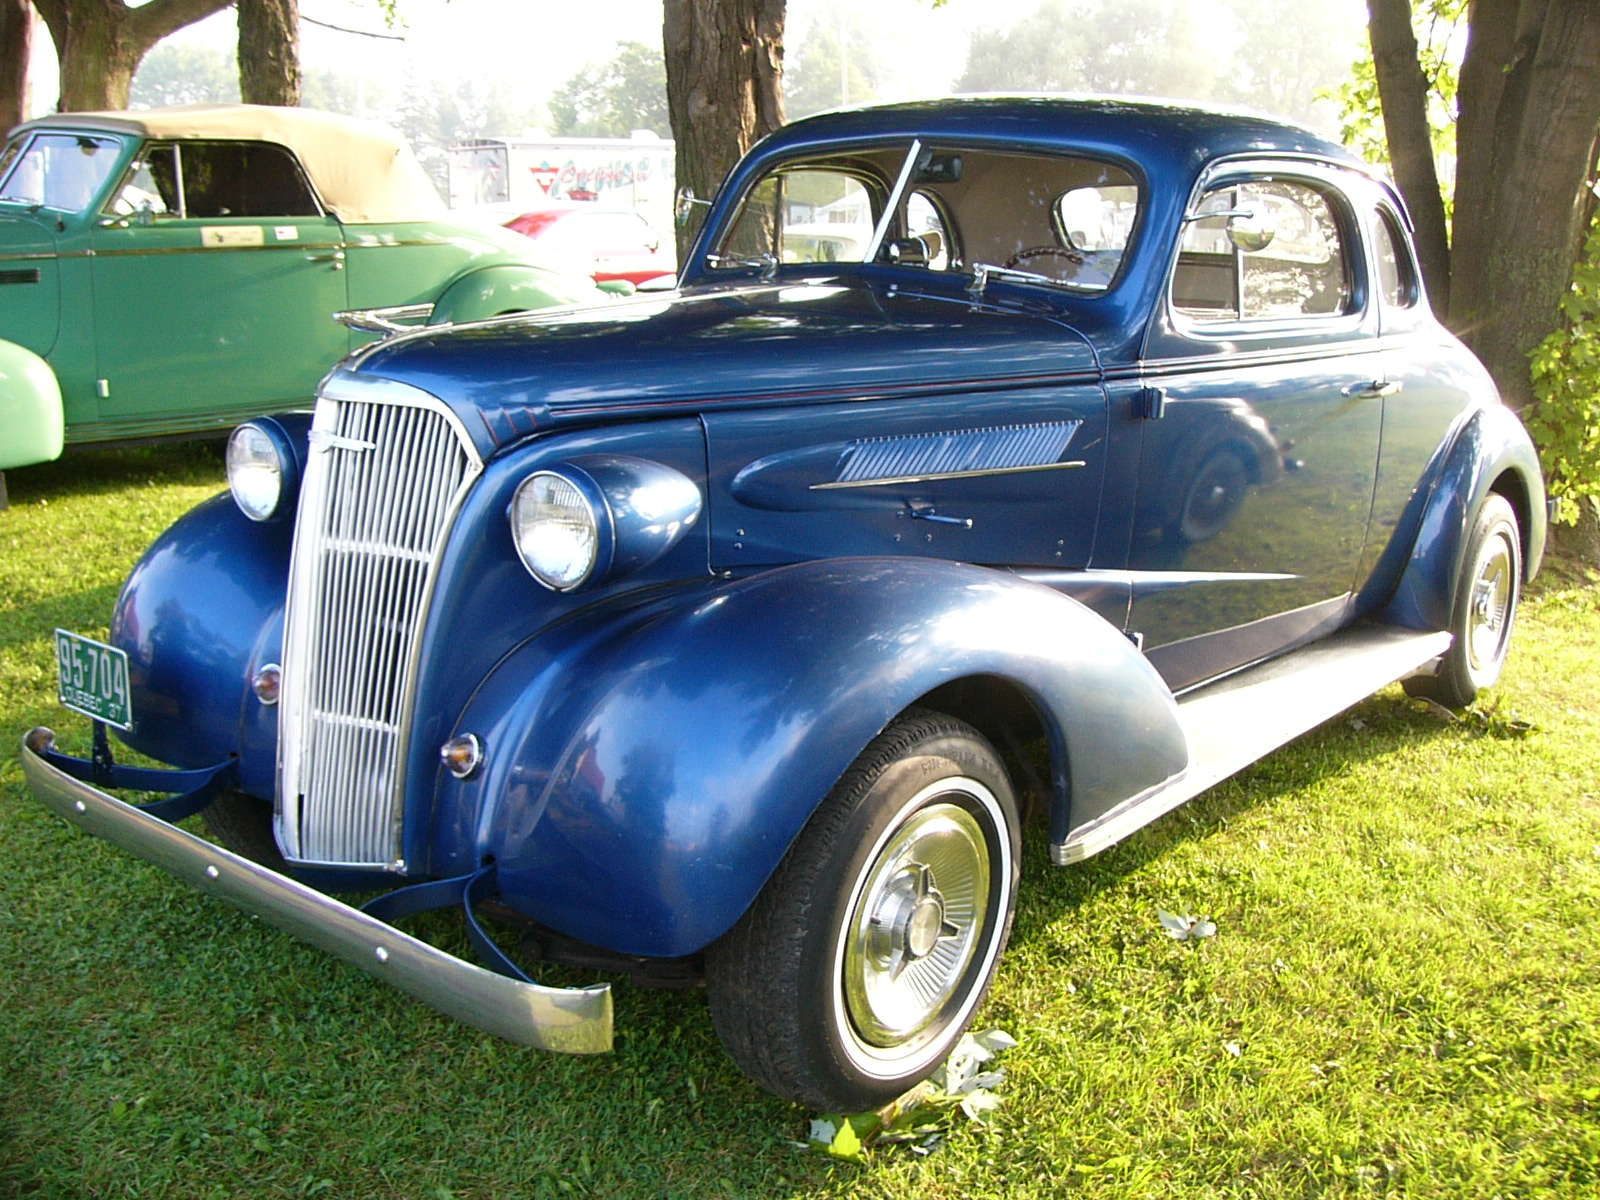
x,y
574,1021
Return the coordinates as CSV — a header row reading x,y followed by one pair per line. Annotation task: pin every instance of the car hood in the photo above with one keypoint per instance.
x,y
29,289
722,347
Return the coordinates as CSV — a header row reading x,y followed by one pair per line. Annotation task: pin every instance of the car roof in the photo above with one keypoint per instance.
x,y
364,171
1172,132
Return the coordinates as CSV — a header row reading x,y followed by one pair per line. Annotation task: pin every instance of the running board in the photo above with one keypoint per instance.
x,y
1235,721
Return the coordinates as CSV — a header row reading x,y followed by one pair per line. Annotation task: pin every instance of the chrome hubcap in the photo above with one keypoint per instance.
x,y
1489,609
916,925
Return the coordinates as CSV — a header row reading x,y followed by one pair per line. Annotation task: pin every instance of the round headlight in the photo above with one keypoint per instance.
x,y
556,529
257,468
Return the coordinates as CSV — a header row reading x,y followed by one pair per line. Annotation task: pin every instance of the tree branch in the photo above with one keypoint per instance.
x,y
151,22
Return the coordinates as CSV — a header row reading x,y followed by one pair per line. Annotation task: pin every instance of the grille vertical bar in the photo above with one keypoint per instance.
x,y
389,467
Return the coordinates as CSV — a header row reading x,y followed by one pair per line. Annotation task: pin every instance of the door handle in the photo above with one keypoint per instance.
x,y
1372,388
336,258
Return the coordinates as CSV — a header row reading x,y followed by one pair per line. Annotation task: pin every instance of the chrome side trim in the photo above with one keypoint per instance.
x,y
573,1021
399,318
866,483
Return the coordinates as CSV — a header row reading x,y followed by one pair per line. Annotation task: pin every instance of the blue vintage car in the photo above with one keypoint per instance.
x,y
989,448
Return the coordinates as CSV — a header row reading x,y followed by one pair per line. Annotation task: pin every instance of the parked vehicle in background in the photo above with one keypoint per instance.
x,y
607,244
516,175
173,271
710,632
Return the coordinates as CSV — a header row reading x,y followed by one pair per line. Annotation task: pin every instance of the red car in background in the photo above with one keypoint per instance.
x,y
606,243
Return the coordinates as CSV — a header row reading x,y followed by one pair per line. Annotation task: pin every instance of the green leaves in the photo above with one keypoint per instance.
x,y
920,1119
1565,421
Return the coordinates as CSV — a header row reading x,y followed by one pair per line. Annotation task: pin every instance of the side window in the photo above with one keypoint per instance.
x,y
1097,221
150,186
925,224
243,179
1396,281
803,216
1268,250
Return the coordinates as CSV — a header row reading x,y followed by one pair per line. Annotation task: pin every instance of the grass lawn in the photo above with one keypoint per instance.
x,y
1402,997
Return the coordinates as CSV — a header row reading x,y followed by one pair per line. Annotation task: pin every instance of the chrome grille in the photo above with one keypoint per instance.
x,y
388,468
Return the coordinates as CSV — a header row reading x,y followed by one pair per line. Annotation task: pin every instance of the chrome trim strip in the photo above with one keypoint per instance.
x,y
398,318
570,1020
868,483
167,251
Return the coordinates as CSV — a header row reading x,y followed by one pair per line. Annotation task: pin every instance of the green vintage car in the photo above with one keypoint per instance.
x,y
174,271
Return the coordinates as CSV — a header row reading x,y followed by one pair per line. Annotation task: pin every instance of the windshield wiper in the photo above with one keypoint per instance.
x,y
983,272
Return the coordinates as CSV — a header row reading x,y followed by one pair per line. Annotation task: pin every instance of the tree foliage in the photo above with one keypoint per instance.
x,y
1566,382
832,67
175,73
1164,48
614,98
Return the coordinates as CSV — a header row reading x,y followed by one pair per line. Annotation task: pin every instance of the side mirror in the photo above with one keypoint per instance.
x,y
685,204
1250,231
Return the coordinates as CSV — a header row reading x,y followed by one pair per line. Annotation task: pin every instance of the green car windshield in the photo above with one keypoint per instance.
x,y
63,171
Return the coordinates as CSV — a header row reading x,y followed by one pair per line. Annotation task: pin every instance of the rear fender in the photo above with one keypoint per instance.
x,y
1490,446
32,425
507,288
645,772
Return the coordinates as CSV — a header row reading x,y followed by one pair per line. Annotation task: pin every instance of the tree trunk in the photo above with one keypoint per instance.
x,y
724,84
100,43
1530,104
16,37
1403,96
269,51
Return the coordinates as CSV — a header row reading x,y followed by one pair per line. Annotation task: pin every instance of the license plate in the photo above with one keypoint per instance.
x,y
92,678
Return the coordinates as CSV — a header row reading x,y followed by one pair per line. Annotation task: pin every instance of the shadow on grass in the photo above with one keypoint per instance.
x,y
94,472
27,622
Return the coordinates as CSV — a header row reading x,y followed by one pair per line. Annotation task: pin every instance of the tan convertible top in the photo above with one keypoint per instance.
x,y
364,171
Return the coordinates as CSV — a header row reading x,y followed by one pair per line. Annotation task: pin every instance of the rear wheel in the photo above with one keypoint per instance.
x,y
1484,613
866,954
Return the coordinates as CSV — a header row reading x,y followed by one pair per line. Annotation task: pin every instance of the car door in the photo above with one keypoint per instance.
x,y
1260,425
216,274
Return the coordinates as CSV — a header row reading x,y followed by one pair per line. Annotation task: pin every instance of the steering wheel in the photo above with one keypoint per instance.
x,y
1074,257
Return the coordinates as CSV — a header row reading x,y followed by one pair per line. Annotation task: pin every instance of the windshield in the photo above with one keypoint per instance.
x,y
58,170
1053,219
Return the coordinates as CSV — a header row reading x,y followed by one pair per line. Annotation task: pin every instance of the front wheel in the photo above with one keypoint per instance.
x,y
1484,613
866,954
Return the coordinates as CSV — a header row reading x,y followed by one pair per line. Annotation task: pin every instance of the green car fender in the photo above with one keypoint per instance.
x,y
32,428
509,288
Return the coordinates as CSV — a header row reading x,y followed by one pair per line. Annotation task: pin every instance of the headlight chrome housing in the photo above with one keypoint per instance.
x,y
598,516
263,473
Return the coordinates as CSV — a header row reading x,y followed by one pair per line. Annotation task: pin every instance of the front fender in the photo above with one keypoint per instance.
x,y
645,774
32,425
508,288
200,612
1490,446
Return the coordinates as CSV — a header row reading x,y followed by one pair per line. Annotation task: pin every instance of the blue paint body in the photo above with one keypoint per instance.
x,y
901,486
